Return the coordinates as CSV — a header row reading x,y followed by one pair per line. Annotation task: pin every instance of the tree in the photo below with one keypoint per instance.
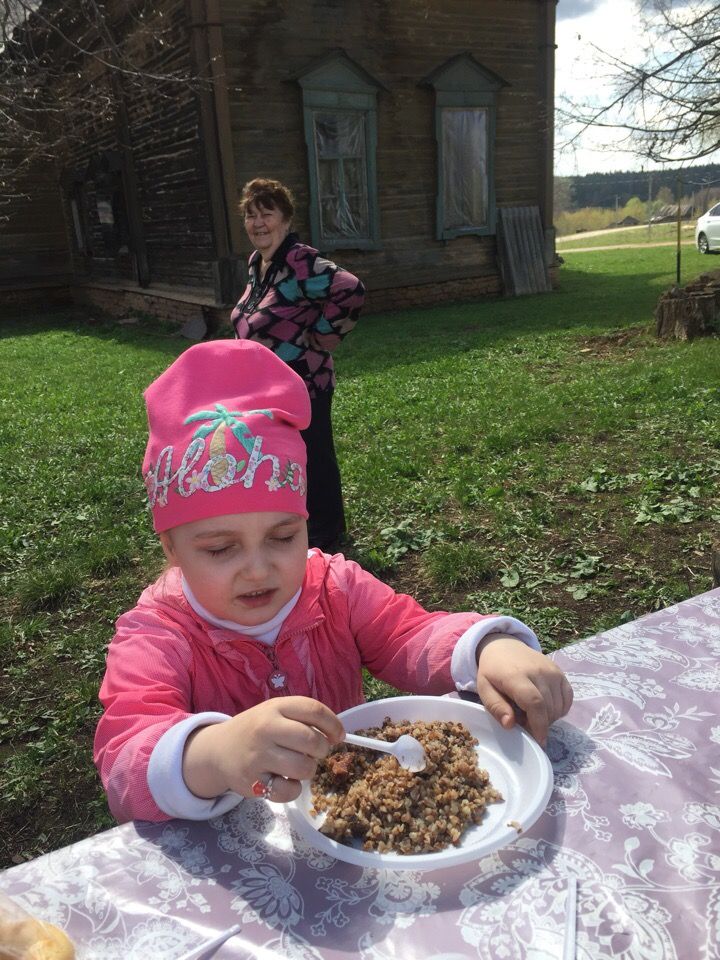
x,y
635,208
563,194
67,66
668,102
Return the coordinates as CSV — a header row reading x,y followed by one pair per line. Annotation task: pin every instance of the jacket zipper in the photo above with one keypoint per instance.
x,y
278,677
277,680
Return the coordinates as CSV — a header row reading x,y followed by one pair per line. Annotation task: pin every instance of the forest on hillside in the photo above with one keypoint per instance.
x,y
599,200
617,187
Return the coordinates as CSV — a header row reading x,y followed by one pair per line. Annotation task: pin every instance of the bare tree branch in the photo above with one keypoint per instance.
x,y
669,103
57,61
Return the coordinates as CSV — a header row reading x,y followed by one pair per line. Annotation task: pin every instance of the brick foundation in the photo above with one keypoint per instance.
x,y
429,294
172,306
179,306
53,296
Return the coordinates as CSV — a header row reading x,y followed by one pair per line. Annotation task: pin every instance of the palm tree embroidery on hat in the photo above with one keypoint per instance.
x,y
221,419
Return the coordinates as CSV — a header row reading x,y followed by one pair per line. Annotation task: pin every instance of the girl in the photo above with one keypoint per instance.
x,y
225,680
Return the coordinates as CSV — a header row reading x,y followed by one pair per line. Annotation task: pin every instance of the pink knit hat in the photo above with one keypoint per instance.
x,y
225,421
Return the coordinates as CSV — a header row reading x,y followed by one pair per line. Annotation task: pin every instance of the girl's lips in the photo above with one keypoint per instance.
x,y
253,600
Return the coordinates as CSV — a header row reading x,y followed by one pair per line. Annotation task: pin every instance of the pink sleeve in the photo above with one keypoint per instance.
x,y
145,691
399,641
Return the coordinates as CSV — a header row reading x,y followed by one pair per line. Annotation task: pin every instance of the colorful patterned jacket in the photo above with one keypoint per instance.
x,y
301,309
166,662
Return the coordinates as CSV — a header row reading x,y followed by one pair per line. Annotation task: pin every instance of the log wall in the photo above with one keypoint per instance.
x,y
165,152
267,42
156,136
33,239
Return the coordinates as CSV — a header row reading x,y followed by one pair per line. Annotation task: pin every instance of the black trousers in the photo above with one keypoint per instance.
x,y
326,521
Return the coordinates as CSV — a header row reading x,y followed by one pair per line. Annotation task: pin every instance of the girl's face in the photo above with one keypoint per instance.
x,y
242,567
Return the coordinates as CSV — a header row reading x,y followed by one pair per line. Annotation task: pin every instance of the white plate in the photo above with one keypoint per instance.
x,y
518,768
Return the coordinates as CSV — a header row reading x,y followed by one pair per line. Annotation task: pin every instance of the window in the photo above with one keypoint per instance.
x,y
464,171
340,149
78,219
102,208
465,103
340,110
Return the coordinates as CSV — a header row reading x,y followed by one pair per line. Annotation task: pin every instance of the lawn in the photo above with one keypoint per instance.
x,y
545,456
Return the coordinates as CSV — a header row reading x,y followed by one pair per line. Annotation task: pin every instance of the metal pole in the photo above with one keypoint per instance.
x,y
649,202
677,197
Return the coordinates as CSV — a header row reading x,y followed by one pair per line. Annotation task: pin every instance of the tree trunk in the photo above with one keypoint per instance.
x,y
685,313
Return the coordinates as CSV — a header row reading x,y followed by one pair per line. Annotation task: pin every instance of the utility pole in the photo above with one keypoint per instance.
x,y
677,197
649,202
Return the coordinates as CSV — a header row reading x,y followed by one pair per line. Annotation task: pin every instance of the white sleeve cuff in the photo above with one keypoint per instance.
x,y
165,779
463,665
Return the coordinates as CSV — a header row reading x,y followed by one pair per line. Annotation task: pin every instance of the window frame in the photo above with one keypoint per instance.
x,y
458,102
462,82
338,85
76,198
341,161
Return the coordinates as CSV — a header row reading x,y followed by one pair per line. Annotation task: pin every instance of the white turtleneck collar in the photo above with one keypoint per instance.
x,y
264,632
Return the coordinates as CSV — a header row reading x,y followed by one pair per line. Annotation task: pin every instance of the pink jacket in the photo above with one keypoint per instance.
x,y
165,662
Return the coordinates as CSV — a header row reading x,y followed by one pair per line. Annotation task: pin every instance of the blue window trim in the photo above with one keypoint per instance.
x,y
444,100
338,84
463,82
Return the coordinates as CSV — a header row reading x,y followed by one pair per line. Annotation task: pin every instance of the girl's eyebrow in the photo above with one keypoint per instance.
x,y
210,534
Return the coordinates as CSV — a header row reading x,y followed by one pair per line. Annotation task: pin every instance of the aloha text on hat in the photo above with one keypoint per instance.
x,y
224,422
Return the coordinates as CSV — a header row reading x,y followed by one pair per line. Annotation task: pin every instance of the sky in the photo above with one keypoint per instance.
x,y
612,26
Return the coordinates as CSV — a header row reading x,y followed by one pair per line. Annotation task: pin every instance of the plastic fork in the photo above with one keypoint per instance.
x,y
408,751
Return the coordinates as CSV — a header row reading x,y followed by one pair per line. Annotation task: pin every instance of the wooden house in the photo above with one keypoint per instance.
x,y
404,128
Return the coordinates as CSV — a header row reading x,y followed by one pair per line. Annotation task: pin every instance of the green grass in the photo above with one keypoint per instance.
x,y
544,456
655,233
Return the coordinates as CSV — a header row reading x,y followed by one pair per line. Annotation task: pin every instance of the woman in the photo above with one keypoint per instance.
x,y
300,306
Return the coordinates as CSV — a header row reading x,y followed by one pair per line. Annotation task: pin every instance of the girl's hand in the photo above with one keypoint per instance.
x,y
284,737
511,674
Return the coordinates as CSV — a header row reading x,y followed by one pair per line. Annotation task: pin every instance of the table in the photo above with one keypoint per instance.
x,y
634,817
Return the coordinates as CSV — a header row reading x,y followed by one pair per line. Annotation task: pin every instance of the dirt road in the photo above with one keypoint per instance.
x,y
625,246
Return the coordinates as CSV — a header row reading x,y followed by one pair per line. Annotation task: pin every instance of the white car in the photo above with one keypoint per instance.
x,y
707,230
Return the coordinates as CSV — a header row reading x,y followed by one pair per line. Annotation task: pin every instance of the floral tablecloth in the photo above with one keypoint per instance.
x,y
634,816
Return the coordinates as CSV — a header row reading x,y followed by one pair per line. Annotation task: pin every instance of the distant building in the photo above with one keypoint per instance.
x,y
401,128
625,222
669,213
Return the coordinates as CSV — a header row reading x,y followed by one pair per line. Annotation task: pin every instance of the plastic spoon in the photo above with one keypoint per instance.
x,y
568,952
211,944
408,751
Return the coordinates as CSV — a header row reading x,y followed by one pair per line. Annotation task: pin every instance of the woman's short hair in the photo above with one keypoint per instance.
x,y
268,194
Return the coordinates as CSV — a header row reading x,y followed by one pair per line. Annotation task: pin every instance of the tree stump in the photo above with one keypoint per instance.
x,y
683,313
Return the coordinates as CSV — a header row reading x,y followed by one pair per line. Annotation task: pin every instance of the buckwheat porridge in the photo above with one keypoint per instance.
x,y
368,796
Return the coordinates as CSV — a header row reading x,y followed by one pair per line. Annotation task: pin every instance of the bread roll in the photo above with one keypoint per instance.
x,y
33,940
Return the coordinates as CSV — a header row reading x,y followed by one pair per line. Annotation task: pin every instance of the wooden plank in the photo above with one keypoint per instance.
x,y
521,249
